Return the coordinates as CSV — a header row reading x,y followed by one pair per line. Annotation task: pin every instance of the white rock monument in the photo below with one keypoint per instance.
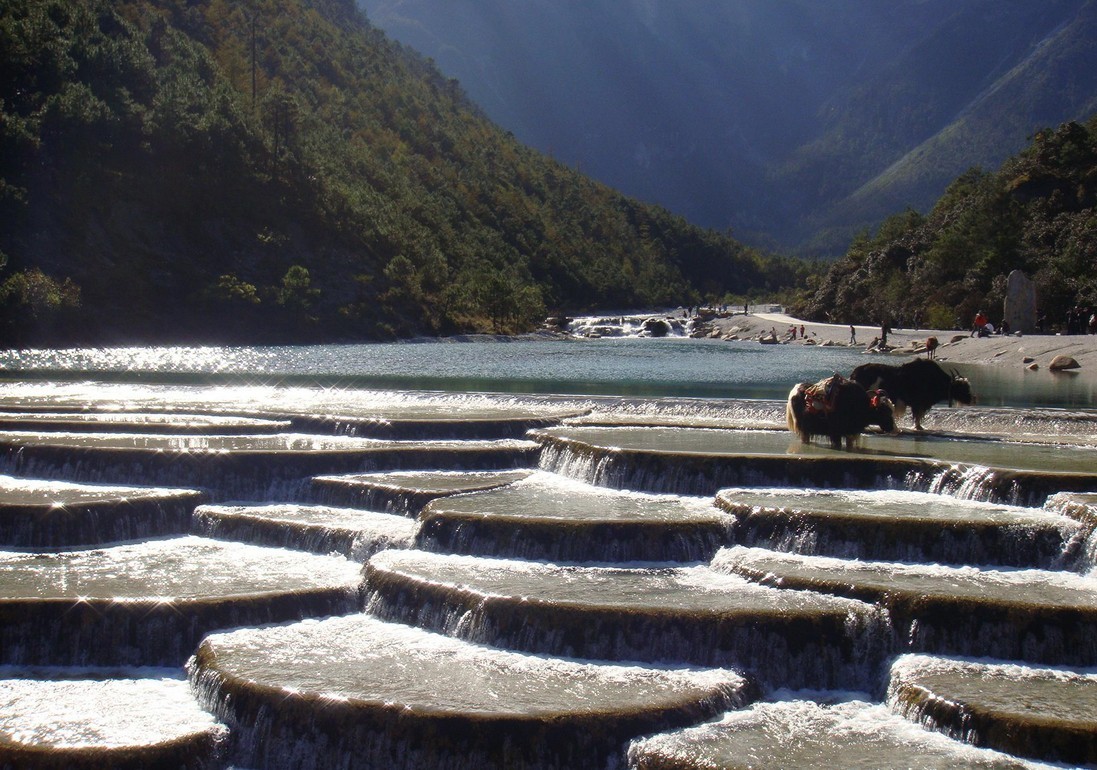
x,y
1020,304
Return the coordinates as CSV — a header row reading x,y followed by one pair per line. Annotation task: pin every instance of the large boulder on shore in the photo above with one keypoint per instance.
x,y
1062,363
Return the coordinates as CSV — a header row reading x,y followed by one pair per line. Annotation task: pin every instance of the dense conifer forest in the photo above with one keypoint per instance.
x,y
1038,213
279,171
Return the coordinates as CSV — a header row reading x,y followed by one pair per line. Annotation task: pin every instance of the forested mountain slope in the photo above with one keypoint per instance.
x,y
279,170
795,123
1038,213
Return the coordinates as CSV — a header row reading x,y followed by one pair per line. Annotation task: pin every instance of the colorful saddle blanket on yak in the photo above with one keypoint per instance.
x,y
822,397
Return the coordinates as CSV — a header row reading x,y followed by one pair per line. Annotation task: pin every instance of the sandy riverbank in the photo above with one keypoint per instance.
x,y
956,347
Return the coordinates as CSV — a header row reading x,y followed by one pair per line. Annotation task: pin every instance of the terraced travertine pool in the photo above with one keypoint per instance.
x,y
441,581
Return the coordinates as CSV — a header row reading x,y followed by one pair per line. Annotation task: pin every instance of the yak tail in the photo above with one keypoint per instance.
x,y
790,412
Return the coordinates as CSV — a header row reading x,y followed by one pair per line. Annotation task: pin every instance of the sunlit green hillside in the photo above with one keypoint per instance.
x,y
1038,214
278,170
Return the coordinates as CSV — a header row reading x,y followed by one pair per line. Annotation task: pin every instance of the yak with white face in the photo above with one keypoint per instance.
x,y
838,409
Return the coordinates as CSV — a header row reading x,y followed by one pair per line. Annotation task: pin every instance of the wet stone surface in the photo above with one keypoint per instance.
x,y
36,513
694,615
83,718
803,735
408,491
352,532
1042,713
405,698
894,525
148,603
549,517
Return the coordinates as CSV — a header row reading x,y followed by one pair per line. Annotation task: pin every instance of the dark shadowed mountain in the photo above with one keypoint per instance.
x,y
795,123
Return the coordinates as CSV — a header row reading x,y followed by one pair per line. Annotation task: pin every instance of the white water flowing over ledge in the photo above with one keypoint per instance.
x,y
597,604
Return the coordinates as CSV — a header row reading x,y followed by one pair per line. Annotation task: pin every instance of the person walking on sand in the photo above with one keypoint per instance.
x,y
852,335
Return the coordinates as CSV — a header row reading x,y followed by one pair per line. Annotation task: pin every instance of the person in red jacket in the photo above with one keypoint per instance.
x,y
979,326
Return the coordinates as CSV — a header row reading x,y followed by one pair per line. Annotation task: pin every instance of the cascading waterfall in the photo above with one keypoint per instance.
x,y
818,642
973,483
581,464
668,610
272,467
902,526
356,534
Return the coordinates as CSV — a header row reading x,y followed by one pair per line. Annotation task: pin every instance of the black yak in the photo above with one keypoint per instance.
x,y
837,408
918,384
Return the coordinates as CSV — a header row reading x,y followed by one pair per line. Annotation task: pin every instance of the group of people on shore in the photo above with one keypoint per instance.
x,y
1081,320
982,327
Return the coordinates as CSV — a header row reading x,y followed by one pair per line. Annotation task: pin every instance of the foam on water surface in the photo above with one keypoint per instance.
x,y
1080,506
659,590
217,444
363,660
36,513
1024,614
1059,696
360,689
886,504
407,492
317,516
330,404
1040,588
547,516
234,467
149,603
895,525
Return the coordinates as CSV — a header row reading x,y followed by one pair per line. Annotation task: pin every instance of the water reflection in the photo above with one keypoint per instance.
x,y
1016,386
631,367
610,367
